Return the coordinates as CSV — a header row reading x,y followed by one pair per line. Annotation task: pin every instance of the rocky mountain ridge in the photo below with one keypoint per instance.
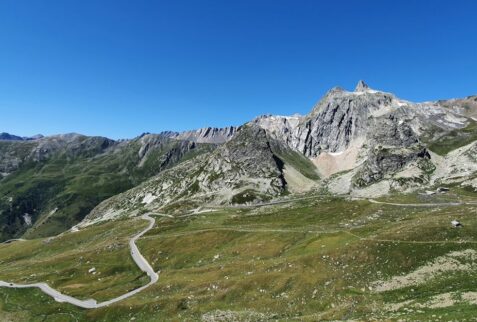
x,y
55,181
341,117
205,135
248,168
359,143
365,142
4,136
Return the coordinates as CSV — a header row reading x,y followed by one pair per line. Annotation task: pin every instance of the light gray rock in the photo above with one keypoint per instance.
x,y
361,87
393,130
205,135
334,122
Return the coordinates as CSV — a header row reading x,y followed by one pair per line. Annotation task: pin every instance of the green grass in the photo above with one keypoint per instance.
x,y
64,261
307,260
74,185
454,139
296,160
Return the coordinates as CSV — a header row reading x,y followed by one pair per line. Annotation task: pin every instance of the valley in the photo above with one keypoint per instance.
x,y
323,254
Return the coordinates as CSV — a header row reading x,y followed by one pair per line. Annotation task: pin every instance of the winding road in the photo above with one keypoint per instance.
x,y
144,265
141,262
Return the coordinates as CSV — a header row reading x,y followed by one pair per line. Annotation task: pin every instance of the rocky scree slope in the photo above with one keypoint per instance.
x,y
248,168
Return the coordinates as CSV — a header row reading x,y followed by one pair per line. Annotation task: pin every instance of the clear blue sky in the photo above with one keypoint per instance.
x,y
118,68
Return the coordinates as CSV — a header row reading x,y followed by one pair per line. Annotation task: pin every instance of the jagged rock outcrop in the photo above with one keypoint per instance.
x,y
249,168
151,143
361,86
283,128
370,136
341,117
373,132
204,135
245,169
392,145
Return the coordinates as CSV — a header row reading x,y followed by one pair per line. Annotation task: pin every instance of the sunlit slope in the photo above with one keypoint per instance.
x,y
56,181
317,258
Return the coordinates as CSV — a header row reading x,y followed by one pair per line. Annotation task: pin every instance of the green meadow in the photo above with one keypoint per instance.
x,y
312,259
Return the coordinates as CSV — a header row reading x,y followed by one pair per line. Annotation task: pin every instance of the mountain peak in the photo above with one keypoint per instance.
x,y
361,87
4,136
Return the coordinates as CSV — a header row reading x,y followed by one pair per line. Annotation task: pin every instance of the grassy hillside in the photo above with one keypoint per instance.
x,y
313,259
58,191
454,139
296,160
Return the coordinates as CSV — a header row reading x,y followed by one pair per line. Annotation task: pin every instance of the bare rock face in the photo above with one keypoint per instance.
x,y
388,131
250,156
464,106
334,122
205,135
243,170
340,118
151,143
283,128
392,146
361,87
13,153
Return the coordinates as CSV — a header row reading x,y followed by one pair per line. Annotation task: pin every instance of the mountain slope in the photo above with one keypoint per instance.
x,y
204,135
364,143
375,135
247,169
4,136
52,183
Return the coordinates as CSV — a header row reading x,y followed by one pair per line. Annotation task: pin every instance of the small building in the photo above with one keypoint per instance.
x,y
456,223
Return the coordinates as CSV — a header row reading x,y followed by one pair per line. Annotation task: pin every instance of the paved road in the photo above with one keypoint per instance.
x,y
141,262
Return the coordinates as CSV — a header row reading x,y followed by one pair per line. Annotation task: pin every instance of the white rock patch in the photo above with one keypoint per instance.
x,y
148,198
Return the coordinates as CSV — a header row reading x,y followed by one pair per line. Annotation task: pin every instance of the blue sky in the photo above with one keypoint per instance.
x,y
119,68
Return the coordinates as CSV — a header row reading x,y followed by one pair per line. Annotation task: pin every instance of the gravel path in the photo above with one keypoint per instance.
x,y
141,262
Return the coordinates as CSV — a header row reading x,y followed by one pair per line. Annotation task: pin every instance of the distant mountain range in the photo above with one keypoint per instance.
x,y
10,137
359,143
